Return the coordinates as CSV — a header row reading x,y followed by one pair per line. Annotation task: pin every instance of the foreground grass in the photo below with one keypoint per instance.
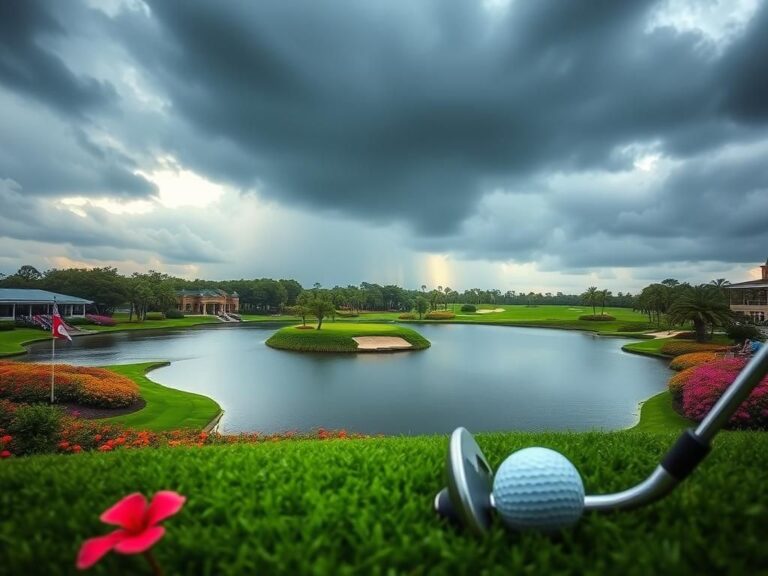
x,y
167,408
338,337
365,506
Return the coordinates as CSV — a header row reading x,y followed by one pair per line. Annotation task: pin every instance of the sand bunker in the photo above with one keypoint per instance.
x,y
490,311
381,343
665,333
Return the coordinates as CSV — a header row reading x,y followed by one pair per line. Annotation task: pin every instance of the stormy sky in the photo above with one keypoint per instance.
x,y
512,144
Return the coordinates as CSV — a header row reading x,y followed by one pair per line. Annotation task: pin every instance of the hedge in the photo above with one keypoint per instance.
x,y
679,348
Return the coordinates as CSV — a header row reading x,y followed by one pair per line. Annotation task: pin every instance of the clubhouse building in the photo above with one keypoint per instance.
x,y
20,302
751,298
207,301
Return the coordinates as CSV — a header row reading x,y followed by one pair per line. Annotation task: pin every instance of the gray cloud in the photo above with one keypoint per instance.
x,y
501,135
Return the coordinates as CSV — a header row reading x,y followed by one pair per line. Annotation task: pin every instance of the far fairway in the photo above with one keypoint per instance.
x,y
336,337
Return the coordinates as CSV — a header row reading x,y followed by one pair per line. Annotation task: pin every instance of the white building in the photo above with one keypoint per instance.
x,y
16,302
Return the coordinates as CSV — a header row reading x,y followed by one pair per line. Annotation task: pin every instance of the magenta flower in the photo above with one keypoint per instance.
x,y
138,527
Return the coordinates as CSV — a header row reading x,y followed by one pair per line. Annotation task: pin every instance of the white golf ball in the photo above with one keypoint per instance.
x,y
538,489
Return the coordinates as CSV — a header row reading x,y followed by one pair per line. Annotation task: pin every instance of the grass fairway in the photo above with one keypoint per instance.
x,y
337,337
565,317
365,507
167,408
12,341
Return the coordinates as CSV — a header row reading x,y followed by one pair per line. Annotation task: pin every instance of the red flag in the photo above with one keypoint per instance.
x,y
57,327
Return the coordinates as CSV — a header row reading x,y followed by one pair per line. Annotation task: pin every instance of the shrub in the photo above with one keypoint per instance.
x,y
78,321
468,308
635,327
101,320
347,314
440,315
7,326
597,317
21,382
706,385
677,383
7,410
35,429
740,332
693,359
407,316
155,316
174,314
673,348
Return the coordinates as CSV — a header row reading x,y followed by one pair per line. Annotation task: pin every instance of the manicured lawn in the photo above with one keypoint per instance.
x,y
337,337
566,317
167,408
658,416
12,341
365,507
653,347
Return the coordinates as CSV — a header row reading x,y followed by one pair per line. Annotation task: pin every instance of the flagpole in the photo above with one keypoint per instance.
x,y
53,353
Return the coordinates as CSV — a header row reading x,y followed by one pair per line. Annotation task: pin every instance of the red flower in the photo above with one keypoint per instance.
x,y
77,448
138,526
5,454
5,439
105,448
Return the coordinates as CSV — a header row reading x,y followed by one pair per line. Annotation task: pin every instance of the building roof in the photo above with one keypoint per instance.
x,y
31,296
750,284
204,293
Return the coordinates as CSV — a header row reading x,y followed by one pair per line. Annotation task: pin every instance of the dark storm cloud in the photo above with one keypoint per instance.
x,y
413,111
29,68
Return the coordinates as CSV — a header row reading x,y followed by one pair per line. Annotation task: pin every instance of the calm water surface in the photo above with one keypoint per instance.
x,y
482,377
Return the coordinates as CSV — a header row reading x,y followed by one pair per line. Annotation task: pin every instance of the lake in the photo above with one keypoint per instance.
x,y
485,378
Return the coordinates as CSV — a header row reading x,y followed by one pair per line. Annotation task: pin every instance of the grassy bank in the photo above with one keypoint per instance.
x,y
167,408
338,337
658,417
365,506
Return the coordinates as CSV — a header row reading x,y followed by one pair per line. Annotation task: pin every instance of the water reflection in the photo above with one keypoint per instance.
x,y
482,377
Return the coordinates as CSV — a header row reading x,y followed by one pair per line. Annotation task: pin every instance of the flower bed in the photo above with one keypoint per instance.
x,y
693,359
20,382
705,383
679,348
597,317
676,384
407,316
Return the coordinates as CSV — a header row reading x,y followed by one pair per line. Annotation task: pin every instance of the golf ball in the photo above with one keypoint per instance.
x,y
538,489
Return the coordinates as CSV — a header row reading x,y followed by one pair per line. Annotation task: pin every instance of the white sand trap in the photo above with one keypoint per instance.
x,y
486,311
381,343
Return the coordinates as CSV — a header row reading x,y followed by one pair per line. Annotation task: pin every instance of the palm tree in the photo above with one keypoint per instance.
x,y
590,298
721,284
604,294
704,306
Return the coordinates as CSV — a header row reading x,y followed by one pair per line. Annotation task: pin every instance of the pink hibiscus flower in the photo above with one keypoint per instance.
x,y
138,526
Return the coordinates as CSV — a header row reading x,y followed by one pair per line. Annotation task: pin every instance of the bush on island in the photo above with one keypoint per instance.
x,y
597,317
468,308
440,316
407,316
174,314
673,348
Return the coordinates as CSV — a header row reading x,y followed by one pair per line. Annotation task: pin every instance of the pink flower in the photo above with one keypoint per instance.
x,y
138,526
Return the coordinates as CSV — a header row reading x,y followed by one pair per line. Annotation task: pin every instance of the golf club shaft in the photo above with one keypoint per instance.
x,y
661,482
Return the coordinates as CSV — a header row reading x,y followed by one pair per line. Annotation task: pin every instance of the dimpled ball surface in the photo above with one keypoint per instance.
x,y
538,489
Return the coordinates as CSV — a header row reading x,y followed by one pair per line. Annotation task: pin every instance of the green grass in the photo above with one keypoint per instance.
x,y
12,341
167,408
564,317
653,347
365,507
657,416
337,337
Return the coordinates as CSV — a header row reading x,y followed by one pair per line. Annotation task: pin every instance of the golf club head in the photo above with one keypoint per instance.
x,y
467,498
